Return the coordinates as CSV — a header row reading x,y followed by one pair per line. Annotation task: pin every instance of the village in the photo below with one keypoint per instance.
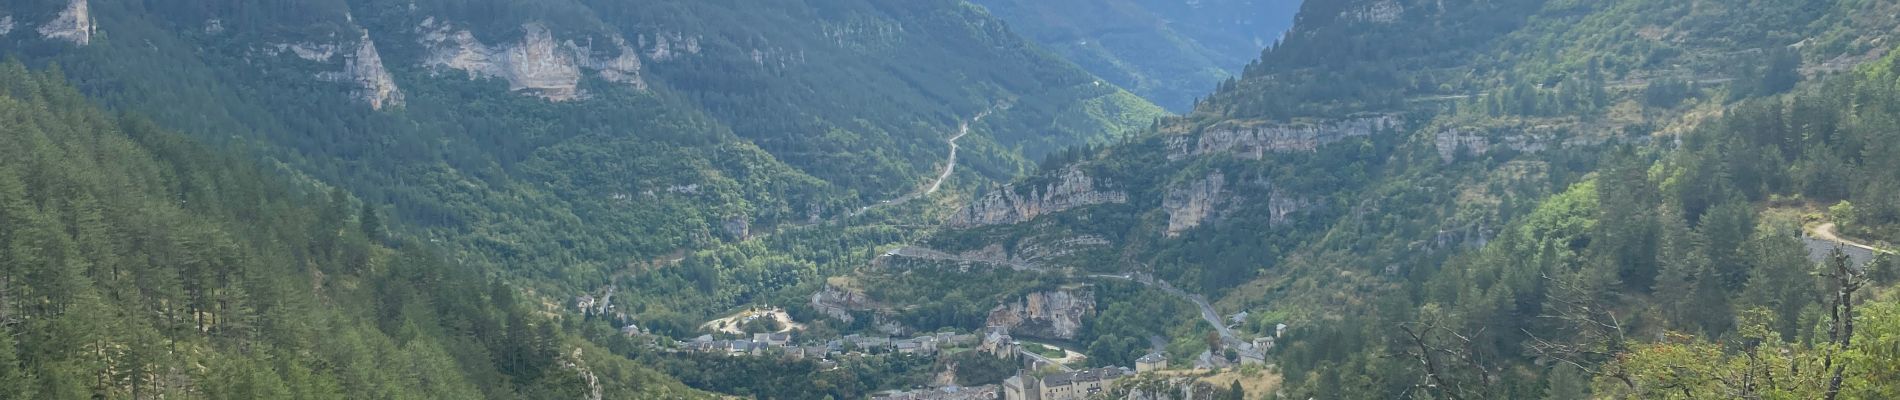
x,y
1045,372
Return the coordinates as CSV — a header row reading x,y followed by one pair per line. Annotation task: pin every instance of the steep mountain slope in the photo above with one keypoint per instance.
x,y
564,138
138,264
1169,51
1338,184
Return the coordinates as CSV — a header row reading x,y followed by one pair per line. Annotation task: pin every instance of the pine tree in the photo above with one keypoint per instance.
x,y
1681,261
1783,280
372,224
1567,382
16,382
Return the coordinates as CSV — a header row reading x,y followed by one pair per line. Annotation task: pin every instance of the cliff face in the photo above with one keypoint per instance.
x,y
375,85
1070,190
839,302
1054,314
362,67
1477,142
1188,206
1207,199
1253,140
1383,12
73,24
537,65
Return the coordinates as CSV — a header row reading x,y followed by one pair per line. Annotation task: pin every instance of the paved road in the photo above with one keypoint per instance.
x,y
949,166
1826,232
1227,336
1822,241
932,254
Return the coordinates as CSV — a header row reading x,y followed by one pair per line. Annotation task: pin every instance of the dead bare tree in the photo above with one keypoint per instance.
x,y
1840,331
1444,363
1598,331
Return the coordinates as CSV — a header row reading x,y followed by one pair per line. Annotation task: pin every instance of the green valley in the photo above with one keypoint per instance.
x,y
950,200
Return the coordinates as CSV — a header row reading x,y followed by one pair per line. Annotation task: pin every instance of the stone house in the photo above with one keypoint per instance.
x,y
1077,385
1151,362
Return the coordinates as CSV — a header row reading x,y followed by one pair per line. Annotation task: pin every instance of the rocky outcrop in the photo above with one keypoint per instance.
x,y
1474,236
1039,250
992,255
6,25
537,65
1209,198
738,227
364,67
1455,141
1383,12
575,362
1254,139
73,24
1012,205
666,46
1281,206
319,52
1189,205
777,57
840,302
1056,314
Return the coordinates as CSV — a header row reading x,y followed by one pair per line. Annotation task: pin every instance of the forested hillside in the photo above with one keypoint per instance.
x,y
135,263
562,139
677,159
1440,199
1453,199
1169,51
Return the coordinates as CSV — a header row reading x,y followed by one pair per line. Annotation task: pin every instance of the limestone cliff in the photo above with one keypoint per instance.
x,y
1207,199
665,46
1254,139
362,67
838,301
365,68
1281,206
1043,249
1056,314
537,65
1383,12
1475,142
1189,205
73,24
1011,205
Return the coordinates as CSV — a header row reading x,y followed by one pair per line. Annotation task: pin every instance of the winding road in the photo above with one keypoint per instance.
x,y
949,166
1822,242
1227,336
1826,232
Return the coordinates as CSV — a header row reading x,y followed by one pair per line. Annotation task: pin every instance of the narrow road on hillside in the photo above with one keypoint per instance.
x,y
1227,335
949,166
925,253
1826,232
